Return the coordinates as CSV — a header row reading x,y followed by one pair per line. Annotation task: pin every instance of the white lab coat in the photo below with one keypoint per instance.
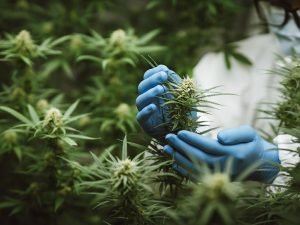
x,y
251,86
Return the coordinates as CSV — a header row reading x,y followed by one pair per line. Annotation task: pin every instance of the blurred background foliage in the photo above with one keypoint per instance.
x,y
187,28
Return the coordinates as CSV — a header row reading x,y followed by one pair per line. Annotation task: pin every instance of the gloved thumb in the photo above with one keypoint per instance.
x,y
173,77
232,136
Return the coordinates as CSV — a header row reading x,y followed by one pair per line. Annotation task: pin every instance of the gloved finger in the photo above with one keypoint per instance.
x,y
194,176
154,80
180,170
145,113
148,97
179,158
233,136
206,144
188,150
173,77
154,70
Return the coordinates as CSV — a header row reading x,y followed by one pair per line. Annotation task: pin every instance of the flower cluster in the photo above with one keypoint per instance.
x,y
184,101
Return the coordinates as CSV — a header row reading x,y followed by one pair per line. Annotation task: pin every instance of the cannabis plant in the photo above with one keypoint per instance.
x,y
287,110
185,103
210,199
114,63
54,125
279,203
23,48
122,188
44,179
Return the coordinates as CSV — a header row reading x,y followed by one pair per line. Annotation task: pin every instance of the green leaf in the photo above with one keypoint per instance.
x,y
224,214
212,9
78,136
26,60
60,40
128,61
124,148
70,110
67,69
69,141
227,60
16,210
105,63
207,213
152,4
138,146
148,37
90,58
34,116
242,58
149,49
58,203
17,115
9,204
18,153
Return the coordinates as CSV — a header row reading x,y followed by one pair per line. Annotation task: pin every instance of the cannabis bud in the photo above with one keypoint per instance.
x,y
124,175
218,185
122,111
118,37
10,136
53,118
24,43
182,106
85,120
187,88
18,93
42,105
76,42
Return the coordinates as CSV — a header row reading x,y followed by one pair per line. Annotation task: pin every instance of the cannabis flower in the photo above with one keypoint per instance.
x,y
122,188
42,105
118,37
24,43
10,136
218,185
187,88
53,118
125,175
183,105
214,196
123,111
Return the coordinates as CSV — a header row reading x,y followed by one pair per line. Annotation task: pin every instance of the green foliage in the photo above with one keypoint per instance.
x,y
52,126
287,111
40,135
279,204
211,200
231,52
122,188
119,49
22,47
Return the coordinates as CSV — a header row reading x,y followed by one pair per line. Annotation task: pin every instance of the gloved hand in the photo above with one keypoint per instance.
x,y
151,115
241,144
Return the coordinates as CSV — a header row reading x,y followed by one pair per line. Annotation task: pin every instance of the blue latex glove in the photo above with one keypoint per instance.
x,y
151,115
241,144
